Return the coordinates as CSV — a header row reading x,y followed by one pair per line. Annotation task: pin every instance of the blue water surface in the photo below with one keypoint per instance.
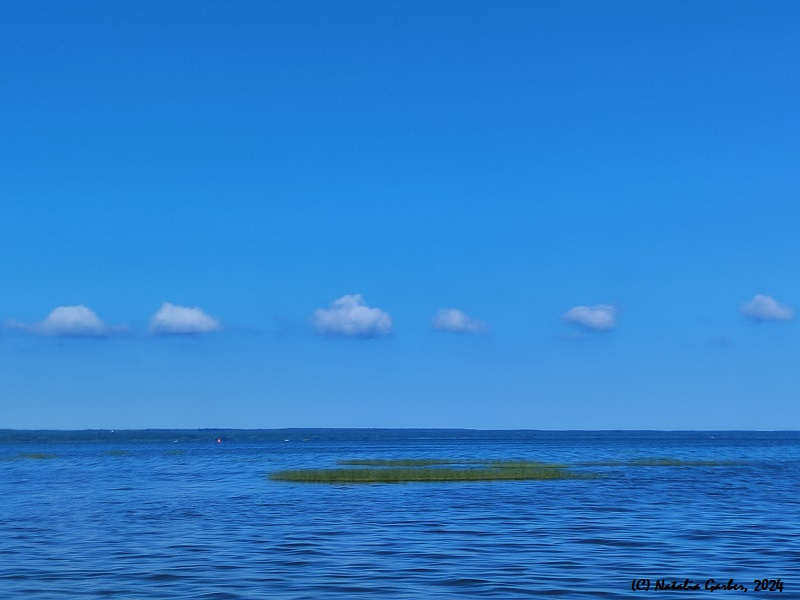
x,y
171,514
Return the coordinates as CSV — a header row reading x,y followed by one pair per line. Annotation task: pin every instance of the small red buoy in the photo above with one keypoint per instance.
x,y
219,441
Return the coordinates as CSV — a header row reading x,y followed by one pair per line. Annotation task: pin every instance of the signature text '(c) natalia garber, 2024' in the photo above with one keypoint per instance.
x,y
710,585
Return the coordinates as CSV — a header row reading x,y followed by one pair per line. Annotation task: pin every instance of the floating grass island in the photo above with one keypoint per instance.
x,y
29,456
440,469
430,470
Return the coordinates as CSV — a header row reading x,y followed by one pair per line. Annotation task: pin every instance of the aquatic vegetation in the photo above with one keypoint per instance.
x,y
431,470
29,455
403,474
604,463
402,462
381,470
433,462
174,452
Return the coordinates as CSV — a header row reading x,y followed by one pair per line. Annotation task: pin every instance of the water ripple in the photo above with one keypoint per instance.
x,y
208,524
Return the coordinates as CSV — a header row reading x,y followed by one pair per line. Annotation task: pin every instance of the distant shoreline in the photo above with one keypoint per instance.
x,y
208,434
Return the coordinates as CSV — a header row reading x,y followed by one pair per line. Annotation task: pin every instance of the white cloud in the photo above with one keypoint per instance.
x,y
174,319
69,321
452,319
765,308
602,317
349,316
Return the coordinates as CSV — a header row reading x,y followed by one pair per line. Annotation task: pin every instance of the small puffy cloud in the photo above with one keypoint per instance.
x,y
349,316
68,321
452,319
765,308
175,319
602,317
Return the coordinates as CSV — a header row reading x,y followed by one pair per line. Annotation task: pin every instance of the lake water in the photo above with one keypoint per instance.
x,y
174,514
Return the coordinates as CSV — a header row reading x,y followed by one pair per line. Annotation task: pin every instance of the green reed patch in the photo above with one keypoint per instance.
x,y
402,462
381,470
29,456
441,462
423,473
523,464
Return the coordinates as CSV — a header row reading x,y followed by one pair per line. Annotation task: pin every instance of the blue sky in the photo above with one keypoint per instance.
x,y
564,215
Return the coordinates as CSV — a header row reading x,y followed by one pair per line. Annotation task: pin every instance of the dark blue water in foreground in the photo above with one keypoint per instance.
x,y
177,515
